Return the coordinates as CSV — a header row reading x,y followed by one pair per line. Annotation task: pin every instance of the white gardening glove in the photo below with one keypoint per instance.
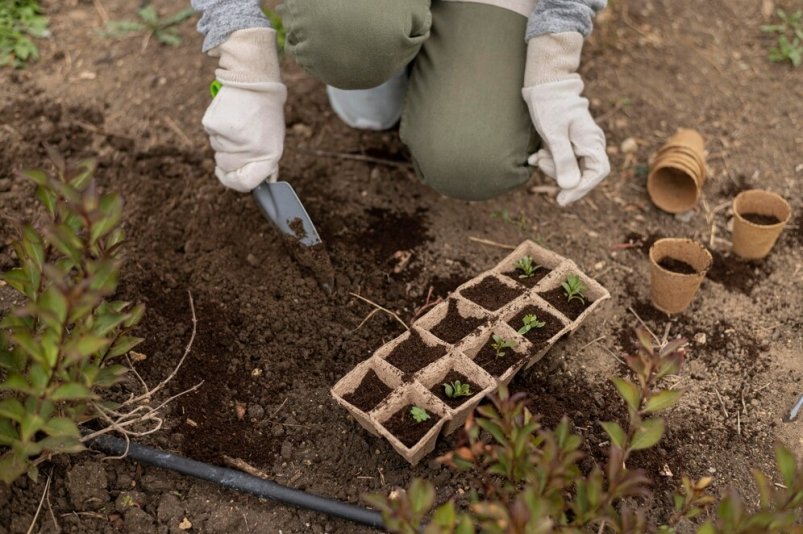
x,y
574,146
245,121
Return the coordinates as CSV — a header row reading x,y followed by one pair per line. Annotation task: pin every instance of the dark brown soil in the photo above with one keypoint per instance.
x,y
453,402
570,308
413,354
408,430
369,393
530,281
737,274
454,327
537,336
677,266
495,366
761,219
491,294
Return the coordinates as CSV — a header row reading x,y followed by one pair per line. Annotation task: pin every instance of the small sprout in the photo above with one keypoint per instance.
x,y
419,414
500,344
574,288
530,321
527,267
457,389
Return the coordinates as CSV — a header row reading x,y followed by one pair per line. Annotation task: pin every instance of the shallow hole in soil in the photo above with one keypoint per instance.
x,y
413,354
453,402
537,336
570,308
491,294
529,281
406,429
676,266
369,393
497,365
454,327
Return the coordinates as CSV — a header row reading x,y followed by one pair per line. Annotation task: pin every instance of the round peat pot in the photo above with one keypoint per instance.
x,y
677,268
678,172
759,218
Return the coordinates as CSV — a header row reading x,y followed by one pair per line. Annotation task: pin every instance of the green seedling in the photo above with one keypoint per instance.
x,y
530,321
500,344
20,20
790,38
419,414
162,29
457,389
574,288
527,267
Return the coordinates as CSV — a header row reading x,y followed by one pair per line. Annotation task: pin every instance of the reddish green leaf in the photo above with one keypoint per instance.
x,y
615,432
648,434
662,401
629,392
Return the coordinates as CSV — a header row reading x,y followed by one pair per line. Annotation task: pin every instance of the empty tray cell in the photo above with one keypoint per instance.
x,y
517,267
491,351
591,293
474,384
491,292
395,421
412,351
365,388
454,320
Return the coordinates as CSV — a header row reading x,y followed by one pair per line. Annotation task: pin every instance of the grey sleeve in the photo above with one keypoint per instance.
x,y
220,18
556,16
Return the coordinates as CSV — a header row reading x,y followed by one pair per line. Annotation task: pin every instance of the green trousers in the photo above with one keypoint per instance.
x,y
464,120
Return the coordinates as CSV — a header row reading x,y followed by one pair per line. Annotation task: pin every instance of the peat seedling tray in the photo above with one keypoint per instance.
x,y
455,339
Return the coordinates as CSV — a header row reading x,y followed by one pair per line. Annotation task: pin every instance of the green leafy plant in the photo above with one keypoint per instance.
x,y
527,267
457,389
20,20
500,344
277,24
574,288
790,37
530,321
149,23
532,482
60,347
419,414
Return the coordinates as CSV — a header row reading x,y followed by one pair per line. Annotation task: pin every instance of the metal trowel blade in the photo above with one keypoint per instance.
x,y
280,205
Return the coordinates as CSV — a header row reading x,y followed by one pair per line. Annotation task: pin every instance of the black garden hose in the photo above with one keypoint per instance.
x,y
237,480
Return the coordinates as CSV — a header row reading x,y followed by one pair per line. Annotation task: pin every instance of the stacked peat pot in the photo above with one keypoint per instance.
x,y
477,337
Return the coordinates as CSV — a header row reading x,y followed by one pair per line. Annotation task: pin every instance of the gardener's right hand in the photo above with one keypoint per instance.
x,y
245,121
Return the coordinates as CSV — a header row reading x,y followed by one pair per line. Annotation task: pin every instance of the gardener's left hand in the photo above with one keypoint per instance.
x,y
573,150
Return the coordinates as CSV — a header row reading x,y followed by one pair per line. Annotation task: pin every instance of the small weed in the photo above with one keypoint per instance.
x,y
500,344
574,288
163,29
527,267
530,321
457,389
19,21
790,38
419,414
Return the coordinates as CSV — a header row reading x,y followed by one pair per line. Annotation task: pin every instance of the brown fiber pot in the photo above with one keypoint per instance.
x,y
753,241
678,172
673,292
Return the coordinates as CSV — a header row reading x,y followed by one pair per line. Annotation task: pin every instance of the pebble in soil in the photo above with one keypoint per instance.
x,y
406,429
529,281
453,402
369,393
491,294
413,354
537,336
454,327
494,364
676,266
570,308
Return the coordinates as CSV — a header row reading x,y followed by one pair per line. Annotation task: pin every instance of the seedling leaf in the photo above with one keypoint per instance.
x,y
419,414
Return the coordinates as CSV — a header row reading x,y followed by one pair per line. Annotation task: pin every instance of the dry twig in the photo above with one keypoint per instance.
x,y
41,502
245,467
490,243
378,308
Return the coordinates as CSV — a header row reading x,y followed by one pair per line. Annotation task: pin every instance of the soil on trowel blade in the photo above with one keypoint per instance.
x,y
408,430
314,259
369,393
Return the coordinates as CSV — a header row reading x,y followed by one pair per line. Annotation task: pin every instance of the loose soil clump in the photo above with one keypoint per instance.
x,y
537,336
454,327
677,266
453,402
369,393
570,308
413,354
491,294
402,425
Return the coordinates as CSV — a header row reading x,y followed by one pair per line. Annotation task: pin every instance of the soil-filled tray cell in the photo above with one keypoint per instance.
x,y
446,372
528,264
491,293
412,351
491,352
568,281
395,422
360,390
536,324
454,320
